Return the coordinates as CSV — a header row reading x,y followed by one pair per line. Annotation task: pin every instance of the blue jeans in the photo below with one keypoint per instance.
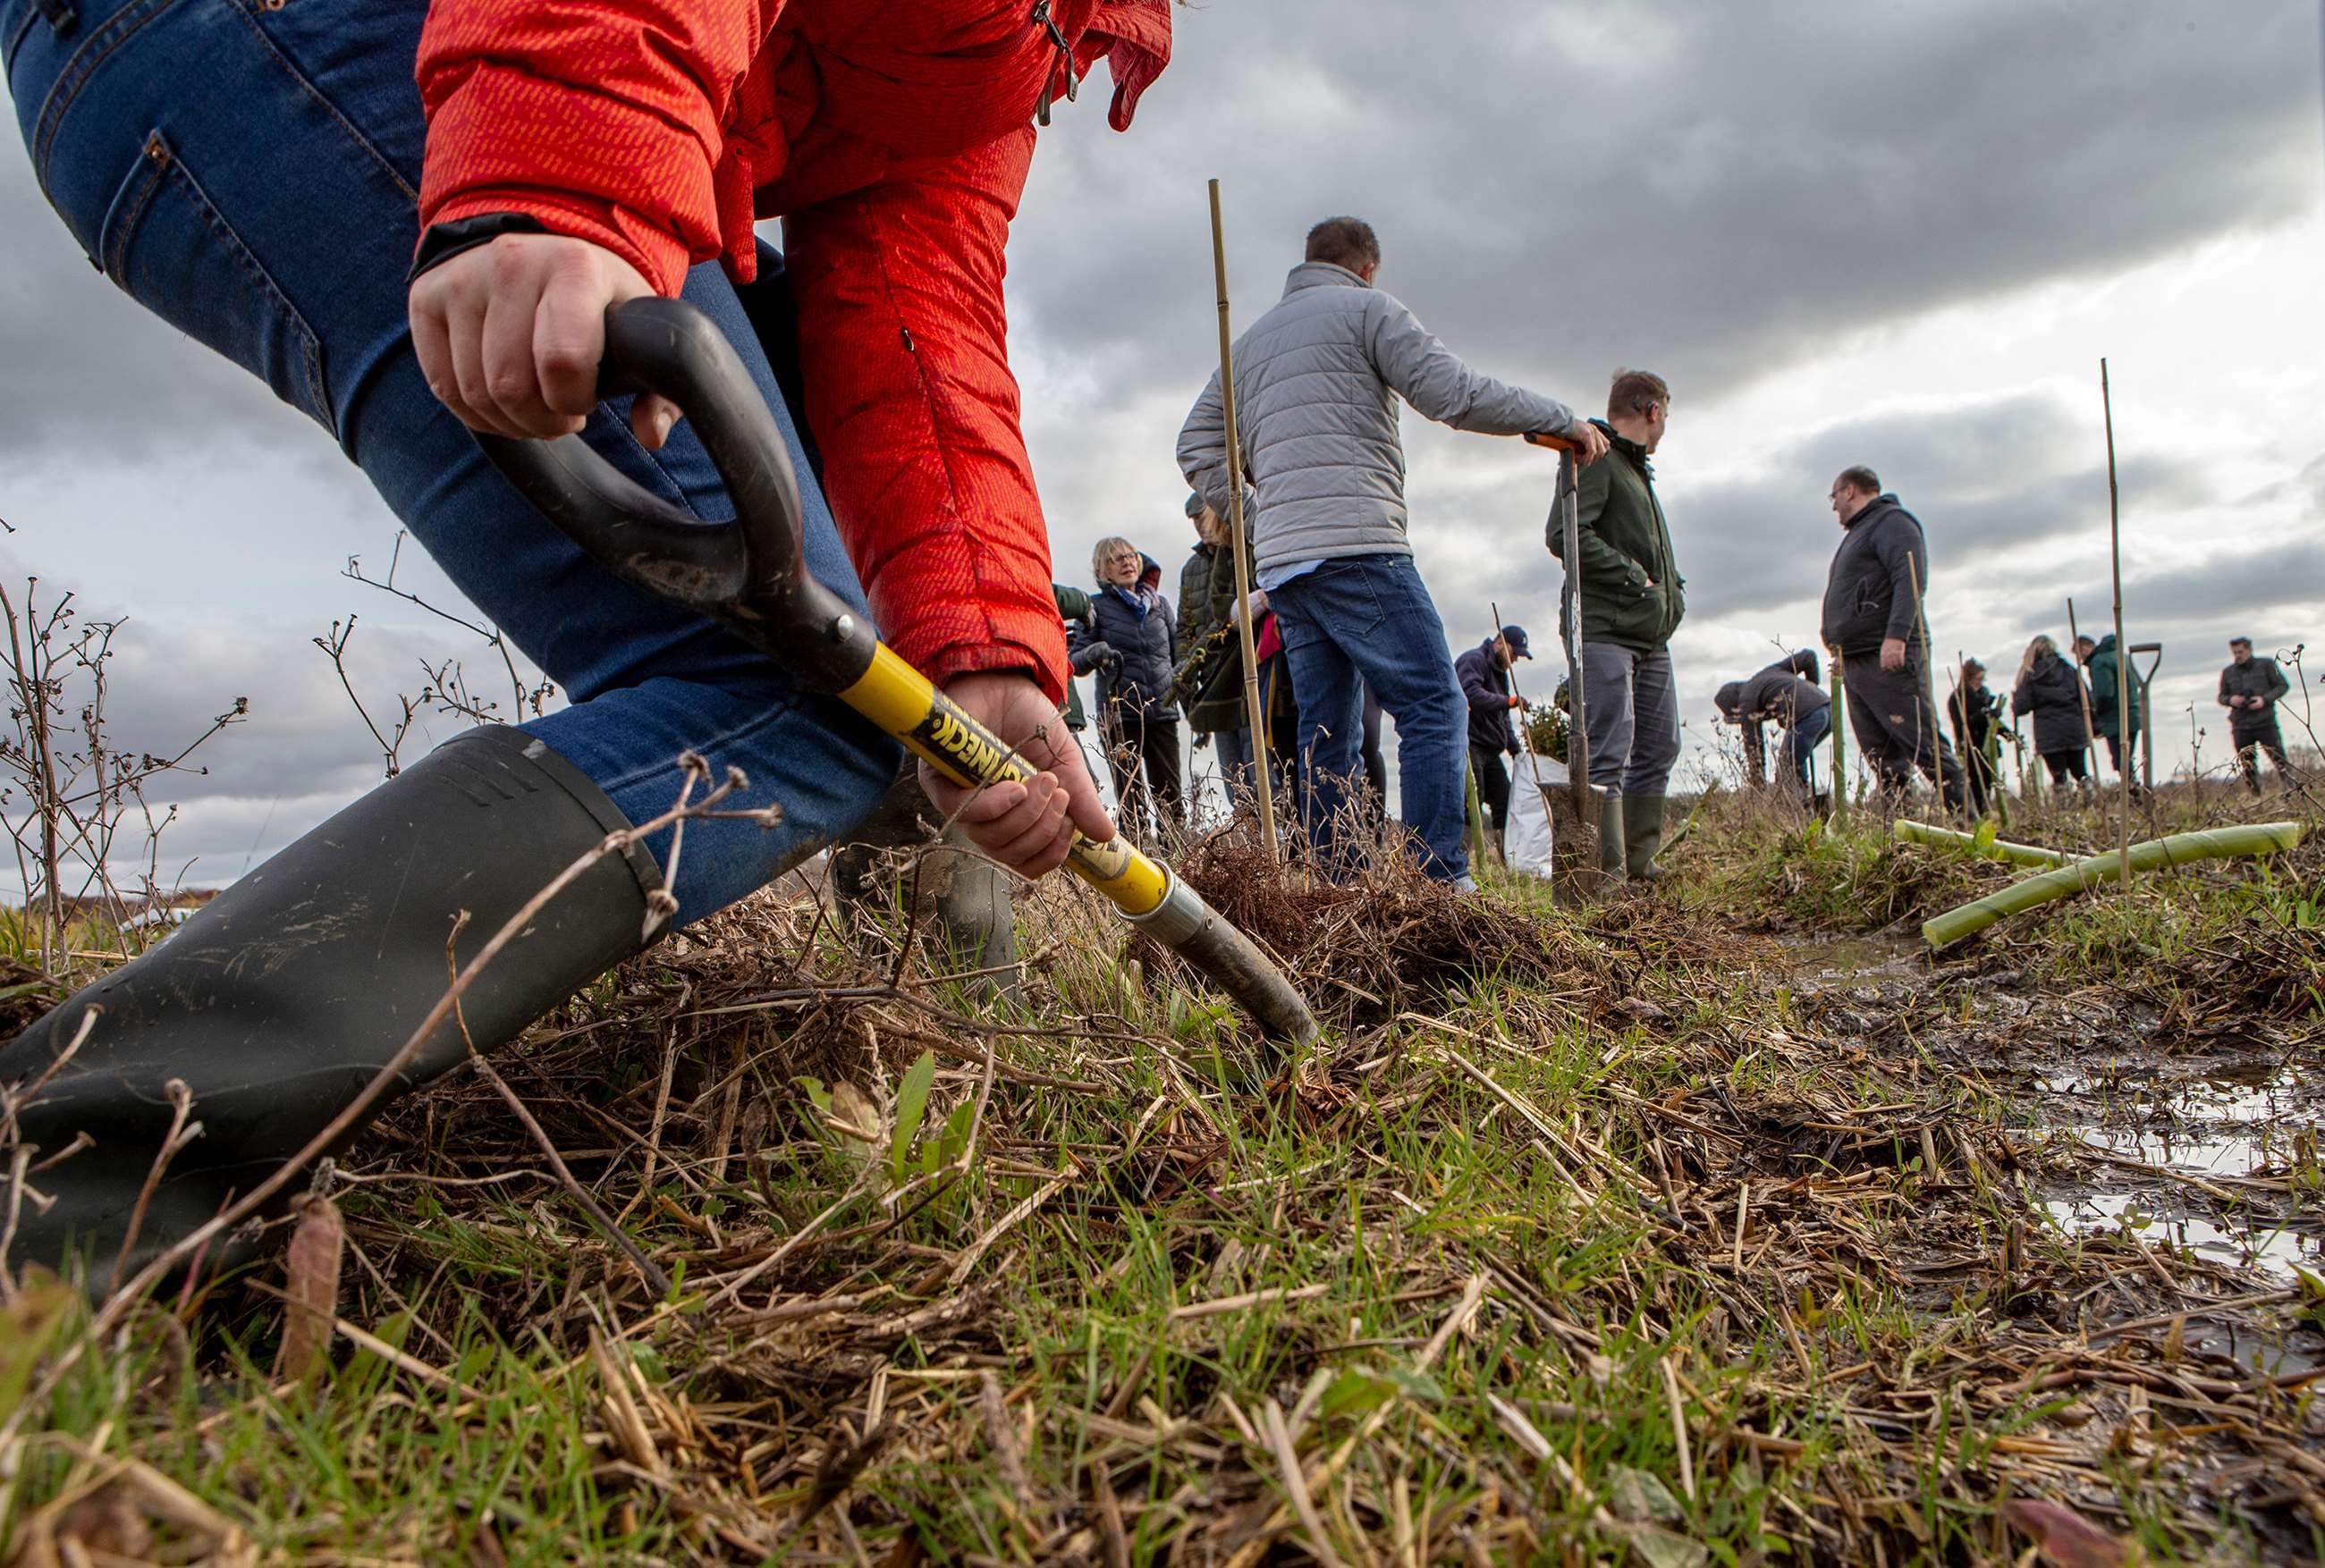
x,y
1359,621
247,173
1807,734
1233,749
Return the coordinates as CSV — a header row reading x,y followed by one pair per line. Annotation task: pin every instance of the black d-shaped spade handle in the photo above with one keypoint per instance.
x,y
747,574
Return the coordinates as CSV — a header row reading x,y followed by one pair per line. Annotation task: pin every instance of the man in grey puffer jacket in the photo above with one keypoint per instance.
x,y
1317,380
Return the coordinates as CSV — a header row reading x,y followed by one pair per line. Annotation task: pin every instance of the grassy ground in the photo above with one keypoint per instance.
x,y
1586,1236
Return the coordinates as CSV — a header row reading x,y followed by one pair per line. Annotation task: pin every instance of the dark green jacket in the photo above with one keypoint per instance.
x,y
1211,680
1626,544
2103,692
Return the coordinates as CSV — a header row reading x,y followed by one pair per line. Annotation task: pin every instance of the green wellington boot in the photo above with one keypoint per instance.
x,y
1610,837
1642,835
283,996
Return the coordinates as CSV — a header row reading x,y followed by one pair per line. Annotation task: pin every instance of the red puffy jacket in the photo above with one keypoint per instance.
x,y
893,137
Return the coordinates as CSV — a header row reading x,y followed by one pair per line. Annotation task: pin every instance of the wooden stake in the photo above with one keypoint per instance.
x,y
1840,740
1254,711
2122,716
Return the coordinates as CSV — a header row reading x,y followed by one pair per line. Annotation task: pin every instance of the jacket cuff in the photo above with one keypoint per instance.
x,y
661,258
973,641
443,241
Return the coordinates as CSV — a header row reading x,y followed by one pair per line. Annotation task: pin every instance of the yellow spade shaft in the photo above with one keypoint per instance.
x,y
903,702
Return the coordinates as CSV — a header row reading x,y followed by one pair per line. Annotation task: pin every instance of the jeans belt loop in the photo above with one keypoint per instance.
x,y
63,14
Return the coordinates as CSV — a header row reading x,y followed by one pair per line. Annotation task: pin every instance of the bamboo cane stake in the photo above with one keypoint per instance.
x,y
2123,714
1840,740
1255,712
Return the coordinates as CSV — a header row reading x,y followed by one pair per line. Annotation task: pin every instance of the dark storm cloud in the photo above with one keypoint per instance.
x,y
2246,583
1712,190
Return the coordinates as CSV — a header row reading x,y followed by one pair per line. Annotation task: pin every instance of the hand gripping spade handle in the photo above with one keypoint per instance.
x,y
747,576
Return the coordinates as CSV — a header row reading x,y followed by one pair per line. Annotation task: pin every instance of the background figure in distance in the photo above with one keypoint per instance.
x,y
2120,728
1633,598
1136,716
1209,681
1787,693
1485,675
2050,689
1313,376
1975,713
2250,689
1873,621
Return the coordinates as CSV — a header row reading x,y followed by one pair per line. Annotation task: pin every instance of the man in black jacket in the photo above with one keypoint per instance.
x,y
1872,624
2250,689
1485,675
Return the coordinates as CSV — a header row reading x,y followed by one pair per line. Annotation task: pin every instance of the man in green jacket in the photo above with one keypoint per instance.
x,y
1631,601
2120,726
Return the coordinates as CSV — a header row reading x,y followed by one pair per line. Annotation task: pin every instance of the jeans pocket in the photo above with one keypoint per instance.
x,y
169,247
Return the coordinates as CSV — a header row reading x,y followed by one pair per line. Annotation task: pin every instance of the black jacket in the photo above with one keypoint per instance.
x,y
2256,677
1148,646
1784,690
2053,692
1486,685
1869,594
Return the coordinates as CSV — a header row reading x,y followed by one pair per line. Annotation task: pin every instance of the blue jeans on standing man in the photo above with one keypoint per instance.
x,y
247,173
1368,620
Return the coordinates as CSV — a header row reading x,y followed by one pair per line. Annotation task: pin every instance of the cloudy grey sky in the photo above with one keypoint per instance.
x,y
1900,236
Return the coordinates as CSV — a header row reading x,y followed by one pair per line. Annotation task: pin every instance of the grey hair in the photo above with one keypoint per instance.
x,y
1105,547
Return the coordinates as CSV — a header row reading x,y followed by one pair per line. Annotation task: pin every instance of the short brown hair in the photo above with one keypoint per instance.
x,y
1636,392
1345,242
1861,478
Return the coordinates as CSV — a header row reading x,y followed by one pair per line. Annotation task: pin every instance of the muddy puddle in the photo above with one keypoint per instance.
x,y
2213,1150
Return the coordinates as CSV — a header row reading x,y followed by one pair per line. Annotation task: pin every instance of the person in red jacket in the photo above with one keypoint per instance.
x,y
400,264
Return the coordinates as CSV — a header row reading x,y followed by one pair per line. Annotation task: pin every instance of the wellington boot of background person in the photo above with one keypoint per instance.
x,y
1633,599
1873,621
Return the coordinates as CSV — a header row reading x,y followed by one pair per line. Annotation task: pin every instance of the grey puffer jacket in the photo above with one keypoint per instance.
x,y
1317,380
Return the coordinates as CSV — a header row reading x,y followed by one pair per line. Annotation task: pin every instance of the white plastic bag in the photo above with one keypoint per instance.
x,y
1525,842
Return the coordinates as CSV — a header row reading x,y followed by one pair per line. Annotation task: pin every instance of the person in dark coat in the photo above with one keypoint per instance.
x,y
2250,689
1136,718
1975,713
1873,623
1786,693
1209,682
2121,728
2050,689
1485,675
